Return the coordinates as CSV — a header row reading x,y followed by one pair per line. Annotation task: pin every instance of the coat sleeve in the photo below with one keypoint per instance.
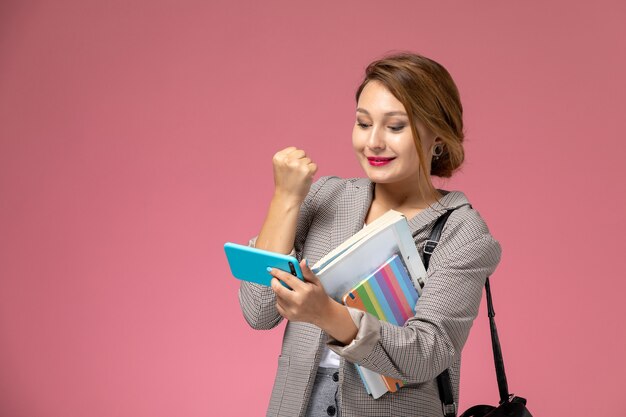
x,y
258,302
433,338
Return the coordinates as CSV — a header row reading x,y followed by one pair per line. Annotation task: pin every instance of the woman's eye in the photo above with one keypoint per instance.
x,y
397,128
362,125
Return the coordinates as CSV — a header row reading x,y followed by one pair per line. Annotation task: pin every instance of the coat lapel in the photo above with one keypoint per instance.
x,y
351,210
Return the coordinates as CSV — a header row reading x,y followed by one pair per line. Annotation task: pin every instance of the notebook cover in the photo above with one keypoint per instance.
x,y
389,295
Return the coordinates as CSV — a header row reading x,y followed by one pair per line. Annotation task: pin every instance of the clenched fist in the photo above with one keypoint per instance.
x,y
293,173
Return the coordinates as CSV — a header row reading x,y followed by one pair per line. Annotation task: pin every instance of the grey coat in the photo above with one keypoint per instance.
x,y
417,352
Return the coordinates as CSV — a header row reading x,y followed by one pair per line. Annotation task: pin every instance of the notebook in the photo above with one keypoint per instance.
x,y
389,295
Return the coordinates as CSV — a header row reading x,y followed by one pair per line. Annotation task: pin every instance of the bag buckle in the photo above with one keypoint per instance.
x,y
449,410
429,246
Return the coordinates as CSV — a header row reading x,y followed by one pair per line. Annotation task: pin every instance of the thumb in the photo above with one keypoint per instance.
x,y
307,273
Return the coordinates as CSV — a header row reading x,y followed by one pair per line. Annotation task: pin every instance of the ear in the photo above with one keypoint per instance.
x,y
436,141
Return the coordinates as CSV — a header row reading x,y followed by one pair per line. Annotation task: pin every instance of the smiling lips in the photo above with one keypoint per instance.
x,y
377,161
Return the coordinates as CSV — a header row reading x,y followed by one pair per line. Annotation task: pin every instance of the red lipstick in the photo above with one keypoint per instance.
x,y
377,161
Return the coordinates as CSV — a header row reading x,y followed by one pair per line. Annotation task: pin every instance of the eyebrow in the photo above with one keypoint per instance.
x,y
389,113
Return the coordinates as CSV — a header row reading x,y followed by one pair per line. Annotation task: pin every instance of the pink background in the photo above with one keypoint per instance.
x,y
136,138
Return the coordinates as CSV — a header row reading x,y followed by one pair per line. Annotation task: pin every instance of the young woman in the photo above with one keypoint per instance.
x,y
408,127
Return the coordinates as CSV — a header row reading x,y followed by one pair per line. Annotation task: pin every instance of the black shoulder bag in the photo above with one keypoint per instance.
x,y
510,405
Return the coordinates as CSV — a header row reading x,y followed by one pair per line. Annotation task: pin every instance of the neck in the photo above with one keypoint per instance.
x,y
404,195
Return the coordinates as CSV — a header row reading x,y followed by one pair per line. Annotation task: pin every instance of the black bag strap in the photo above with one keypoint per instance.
x,y
443,380
503,385
435,235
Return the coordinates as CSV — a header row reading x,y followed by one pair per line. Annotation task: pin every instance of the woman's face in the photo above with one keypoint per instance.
x,y
382,137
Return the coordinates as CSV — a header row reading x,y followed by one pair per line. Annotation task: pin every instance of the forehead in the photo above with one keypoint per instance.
x,y
375,97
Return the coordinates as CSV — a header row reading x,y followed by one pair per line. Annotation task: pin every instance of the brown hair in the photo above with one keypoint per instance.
x,y
429,95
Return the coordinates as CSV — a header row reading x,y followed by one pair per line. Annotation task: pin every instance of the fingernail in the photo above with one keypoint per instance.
x,y
306,262
269,269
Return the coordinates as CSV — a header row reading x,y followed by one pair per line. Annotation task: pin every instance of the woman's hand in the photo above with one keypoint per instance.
x,y
293,173
308,302
293,176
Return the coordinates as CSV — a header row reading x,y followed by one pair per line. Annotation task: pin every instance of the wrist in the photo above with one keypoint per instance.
x,y
337,321
328,311
286,201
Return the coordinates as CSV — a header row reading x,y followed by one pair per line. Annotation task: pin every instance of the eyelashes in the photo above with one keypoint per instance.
x,y
393,128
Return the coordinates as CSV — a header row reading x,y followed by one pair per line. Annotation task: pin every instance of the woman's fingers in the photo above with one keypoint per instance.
x,y
281,154
278,288
307,301
296,154
308,275
289,154
281,310
293,282
293,173
283,298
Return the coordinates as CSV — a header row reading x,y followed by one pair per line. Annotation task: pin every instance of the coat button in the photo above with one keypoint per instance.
x,y
336,376
331,410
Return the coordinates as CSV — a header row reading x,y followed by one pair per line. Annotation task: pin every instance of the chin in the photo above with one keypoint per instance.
x,y
378,178
386,177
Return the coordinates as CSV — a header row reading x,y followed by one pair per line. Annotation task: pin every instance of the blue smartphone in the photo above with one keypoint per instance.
x,y
250,264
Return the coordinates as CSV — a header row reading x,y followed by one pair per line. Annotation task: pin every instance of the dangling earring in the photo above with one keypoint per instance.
x,y
437,150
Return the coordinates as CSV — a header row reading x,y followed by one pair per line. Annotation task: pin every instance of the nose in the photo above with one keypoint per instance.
x,y
376,139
